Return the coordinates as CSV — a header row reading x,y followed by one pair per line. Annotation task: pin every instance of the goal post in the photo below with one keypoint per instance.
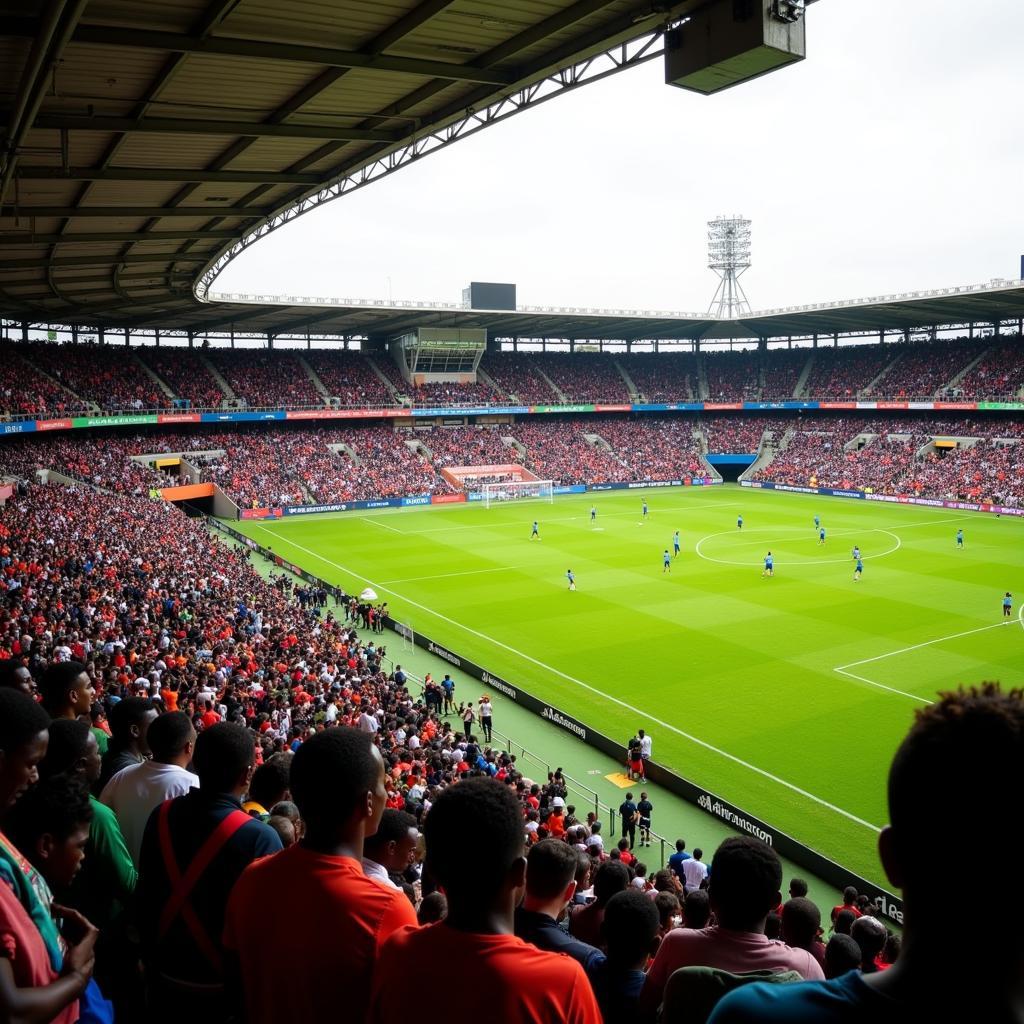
x,y
519,490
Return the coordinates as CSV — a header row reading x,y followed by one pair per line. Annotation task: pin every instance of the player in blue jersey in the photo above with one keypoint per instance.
x,y
571,577
769,565
739,522
959,538
856,553
821,535
1007,605
675,542
858,569
593,513
666,562
535,532
817,521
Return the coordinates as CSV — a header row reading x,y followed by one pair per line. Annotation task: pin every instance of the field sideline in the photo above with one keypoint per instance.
x,y
785,695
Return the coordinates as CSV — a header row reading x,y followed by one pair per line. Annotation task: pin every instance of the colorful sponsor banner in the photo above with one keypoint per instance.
x,y
667,407
1012,406
562,408
343,414
897,499
570,489
260,513
416,499
612,408
18,427
179,417
64,424
779,405
477,410
731,458
446,499
139,420
721,406
838,405
186,492
242,417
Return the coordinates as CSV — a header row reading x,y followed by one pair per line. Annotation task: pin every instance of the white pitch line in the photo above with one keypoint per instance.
x,y
882,686
927,643
586,686
446,575
384,526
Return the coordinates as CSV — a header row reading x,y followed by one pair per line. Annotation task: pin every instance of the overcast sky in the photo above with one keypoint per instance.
x,y
891,159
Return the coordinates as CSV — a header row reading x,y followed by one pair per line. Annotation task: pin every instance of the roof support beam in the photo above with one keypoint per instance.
x,y
228,46
131,211
194,126
182,174
43,262
114,237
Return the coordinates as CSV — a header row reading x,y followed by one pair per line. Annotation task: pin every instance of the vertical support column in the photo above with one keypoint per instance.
x,y
270,340
127,337
995,327
156,336
933,332
74,334
232,335
835,339
970,330
814,341
309,343
102,336
24,330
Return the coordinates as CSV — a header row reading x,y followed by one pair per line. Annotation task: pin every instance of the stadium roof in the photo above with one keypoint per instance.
x,y
144,140
145,144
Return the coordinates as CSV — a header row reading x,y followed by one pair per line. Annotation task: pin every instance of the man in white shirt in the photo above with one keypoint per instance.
x,y
645,745
134,792
694,870
391,850
367,723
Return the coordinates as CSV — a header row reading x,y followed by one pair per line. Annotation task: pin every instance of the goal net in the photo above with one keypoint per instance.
x,y
519,490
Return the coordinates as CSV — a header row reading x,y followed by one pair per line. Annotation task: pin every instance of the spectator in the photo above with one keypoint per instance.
x,y
15,675
801,927
585,922
932,784
391,850
745,879
106,883
433,908
475,943
334,917
697,909
694,870
843,921
870,935
849,902
550,886
269,786
130,720
669,911
183,896
66,690
36,973
134,792
678,859
50,824
631,933
842,955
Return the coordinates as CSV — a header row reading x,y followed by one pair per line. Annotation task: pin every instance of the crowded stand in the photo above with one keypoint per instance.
x,y
585,376
662,376
265,378
654,449
920,370
440,393
781,373
842,373
181,695
24,391
1000,373
516,375
349,377
106,375
740,434
733,376
561,452
186,374
469,446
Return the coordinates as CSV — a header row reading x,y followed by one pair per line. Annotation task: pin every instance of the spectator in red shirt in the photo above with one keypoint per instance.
x,y
474,835
849,902
209,717
326,920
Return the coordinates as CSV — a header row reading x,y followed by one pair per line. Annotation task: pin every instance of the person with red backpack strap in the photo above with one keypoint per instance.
x,y
193,850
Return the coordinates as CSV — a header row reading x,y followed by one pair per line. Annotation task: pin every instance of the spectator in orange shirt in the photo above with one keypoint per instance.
x,y
327,920
474,835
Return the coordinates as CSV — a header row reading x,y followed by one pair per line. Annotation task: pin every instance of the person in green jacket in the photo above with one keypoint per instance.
x,y
104,886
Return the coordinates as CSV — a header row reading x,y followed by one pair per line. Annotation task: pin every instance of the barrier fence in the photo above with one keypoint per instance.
x,y
722,810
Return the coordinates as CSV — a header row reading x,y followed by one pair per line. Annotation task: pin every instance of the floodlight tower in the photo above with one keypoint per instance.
x,y
729,257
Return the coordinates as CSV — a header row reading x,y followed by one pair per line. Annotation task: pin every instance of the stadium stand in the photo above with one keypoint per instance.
x,y
919,371
781,369
349,377
662,376
516,375
999,374
25,391
186,374
733,376
585,377
266,379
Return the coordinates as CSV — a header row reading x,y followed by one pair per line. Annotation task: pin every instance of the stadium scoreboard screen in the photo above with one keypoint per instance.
x,y
489,295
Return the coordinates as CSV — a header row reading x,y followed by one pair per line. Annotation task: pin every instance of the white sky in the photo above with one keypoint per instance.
x,y
889,160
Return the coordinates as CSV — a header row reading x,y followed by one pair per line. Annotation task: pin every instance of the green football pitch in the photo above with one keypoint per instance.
x,y
784,695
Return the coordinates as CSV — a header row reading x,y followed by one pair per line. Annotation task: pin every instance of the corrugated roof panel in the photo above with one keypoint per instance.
x,y
192,152
344,24
13,54
251,88
130,193
277,154
94,75
162,15
361,91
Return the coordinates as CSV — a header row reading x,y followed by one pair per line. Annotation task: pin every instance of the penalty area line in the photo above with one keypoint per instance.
x,y
593,689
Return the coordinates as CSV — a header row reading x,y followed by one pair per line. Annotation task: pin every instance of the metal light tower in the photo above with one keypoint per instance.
x,y
729,257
